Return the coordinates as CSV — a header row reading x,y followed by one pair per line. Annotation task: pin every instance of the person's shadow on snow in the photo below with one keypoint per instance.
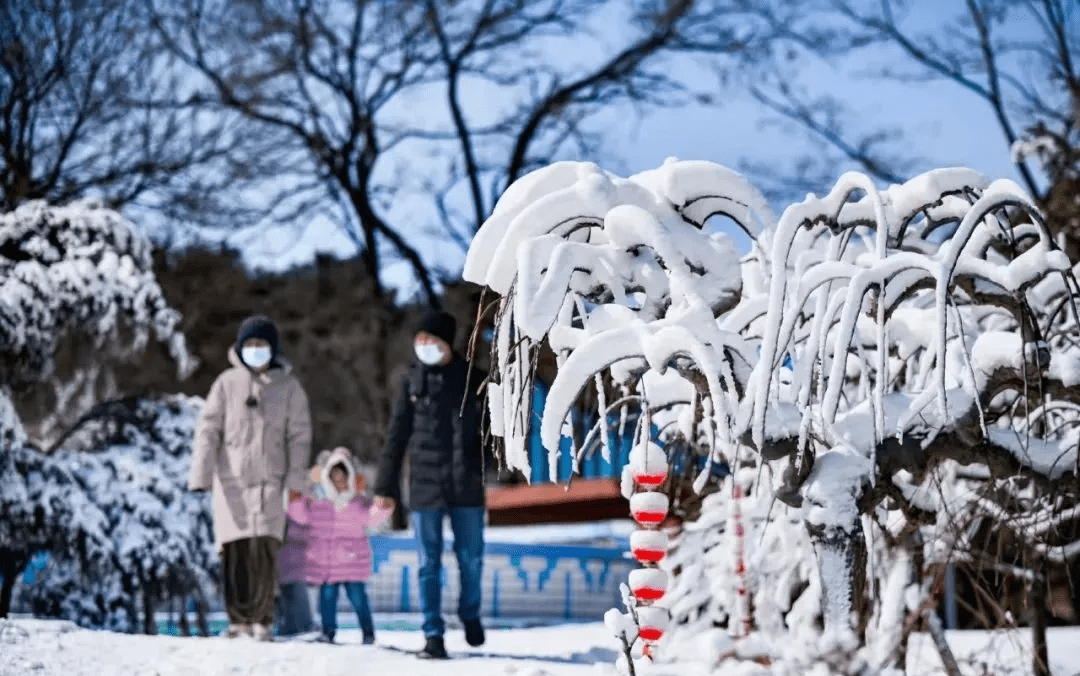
x,y
595,655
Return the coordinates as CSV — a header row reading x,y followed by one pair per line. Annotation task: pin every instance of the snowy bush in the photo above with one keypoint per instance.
x,y
868,344
46,507
83,274
129,460
65,590
80,277
80,268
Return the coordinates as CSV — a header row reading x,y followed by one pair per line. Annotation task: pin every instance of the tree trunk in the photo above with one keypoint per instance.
x,y
841,555
149,625
182,621
1074,584
131,604
1039,653
200,614
938,636
11,564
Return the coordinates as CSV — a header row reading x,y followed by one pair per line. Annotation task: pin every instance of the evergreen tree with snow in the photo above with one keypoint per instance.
x,y
81,273
131,458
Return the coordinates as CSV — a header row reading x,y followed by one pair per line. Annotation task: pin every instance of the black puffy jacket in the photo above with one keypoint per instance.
x,y
440,436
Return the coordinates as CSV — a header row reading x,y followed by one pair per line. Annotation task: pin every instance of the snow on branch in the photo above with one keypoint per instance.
x,y
905,355
618,278
896,311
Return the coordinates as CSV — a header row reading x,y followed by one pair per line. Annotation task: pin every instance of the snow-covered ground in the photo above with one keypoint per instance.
x,y
1000,653
48,648
45,648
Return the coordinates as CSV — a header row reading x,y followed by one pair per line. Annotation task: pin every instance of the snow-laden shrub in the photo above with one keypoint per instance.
x,y
868,341
82,269
130,460
65,590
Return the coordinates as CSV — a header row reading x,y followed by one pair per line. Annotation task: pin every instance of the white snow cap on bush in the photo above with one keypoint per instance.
x,y
621,624
84,268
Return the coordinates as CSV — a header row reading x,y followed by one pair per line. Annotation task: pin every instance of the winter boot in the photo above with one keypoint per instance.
x,y
237,630
474,632
369,639
434,649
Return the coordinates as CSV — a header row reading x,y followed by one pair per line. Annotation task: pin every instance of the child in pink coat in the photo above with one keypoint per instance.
x,y
331,548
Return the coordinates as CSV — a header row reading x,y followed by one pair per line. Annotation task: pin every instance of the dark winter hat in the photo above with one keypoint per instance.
x,y
439,324
258,327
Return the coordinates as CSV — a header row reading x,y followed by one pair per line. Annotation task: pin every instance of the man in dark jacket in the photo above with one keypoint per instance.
x,y
436,422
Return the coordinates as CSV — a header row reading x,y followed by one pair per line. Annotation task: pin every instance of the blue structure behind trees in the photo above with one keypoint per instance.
x,y
593,465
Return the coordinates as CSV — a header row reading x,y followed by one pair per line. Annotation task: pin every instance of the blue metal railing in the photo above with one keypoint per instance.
x,y
519,580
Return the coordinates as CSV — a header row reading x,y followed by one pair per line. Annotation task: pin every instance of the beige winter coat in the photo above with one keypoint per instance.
x,y
250,456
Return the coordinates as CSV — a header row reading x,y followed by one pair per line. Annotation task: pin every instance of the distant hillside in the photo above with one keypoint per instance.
x,y
329,324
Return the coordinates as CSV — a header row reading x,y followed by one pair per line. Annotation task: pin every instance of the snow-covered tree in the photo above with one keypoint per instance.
x,y
130,459
46,508
80,273
869,343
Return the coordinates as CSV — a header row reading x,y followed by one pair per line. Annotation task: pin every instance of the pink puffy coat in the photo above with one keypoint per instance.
x,y
326,540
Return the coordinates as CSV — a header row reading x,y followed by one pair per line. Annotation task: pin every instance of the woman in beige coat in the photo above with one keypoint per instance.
x,y
252,446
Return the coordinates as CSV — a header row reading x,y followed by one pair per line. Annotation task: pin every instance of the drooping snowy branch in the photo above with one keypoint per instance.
x,y
907,357
619,278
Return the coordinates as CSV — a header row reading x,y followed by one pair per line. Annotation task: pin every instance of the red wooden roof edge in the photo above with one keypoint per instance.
x,y
526,495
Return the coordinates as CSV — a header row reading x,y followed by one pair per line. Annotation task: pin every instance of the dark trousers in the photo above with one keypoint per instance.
x,y
328,596
250,568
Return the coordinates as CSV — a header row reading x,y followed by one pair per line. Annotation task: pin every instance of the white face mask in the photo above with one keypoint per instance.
x,y
255,357
428,353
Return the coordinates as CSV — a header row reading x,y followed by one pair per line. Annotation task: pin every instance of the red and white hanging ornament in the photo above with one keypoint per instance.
x,y
652,624
649,509
648,465
648,584
648,546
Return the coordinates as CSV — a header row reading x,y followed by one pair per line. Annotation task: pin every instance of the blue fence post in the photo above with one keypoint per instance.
x,y
495,594
568,607
951,616
405,601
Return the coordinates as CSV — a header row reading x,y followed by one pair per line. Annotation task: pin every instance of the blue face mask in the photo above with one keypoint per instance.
x,y
255,357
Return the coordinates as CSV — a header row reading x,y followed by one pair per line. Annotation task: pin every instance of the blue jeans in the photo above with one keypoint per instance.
x,y
328,596
294,612
467,524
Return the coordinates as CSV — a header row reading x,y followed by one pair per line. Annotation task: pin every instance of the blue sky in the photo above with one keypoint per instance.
x,y
943,125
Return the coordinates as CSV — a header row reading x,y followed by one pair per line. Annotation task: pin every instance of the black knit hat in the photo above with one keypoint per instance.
x,y
258,327
439,324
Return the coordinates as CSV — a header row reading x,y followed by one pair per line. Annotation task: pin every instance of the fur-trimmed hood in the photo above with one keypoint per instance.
x,y
327,460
